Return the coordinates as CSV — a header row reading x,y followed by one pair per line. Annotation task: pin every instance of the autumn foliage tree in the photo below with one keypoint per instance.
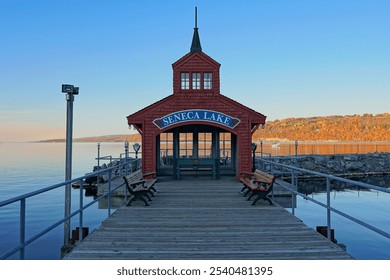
x,y
354,128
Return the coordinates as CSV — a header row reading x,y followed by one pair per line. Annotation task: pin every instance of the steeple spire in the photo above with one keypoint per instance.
x,y
195,46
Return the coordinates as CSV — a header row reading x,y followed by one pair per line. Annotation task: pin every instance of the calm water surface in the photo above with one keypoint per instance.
x,y
25,167
371,207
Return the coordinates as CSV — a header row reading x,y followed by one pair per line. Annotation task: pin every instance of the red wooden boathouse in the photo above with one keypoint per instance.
x,y
196,128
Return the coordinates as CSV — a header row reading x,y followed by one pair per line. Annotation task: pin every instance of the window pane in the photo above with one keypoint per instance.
x,y
166,149
225,147
195,80
205,145
185,80
207,81
185,145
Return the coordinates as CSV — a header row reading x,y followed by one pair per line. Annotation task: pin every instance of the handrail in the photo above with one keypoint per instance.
x,y
22,199
110,158
327,205
123,155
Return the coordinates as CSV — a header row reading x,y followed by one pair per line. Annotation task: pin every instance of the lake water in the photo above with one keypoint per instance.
x,y
25,167
371,207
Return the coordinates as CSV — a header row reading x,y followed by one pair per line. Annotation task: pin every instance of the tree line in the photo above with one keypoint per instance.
x,y
365,127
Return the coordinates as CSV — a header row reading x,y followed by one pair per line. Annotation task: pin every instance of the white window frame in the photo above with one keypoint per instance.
x,y
207,80
196,80
185,80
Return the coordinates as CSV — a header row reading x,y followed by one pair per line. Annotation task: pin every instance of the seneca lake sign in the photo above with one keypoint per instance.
x,y
196,115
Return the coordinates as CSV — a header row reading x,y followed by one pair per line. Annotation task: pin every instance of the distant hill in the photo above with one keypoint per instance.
x,y
105,138
358,128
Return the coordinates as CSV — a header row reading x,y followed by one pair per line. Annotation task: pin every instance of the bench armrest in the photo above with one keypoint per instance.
x,y
150,174
261,181
142,181
246,174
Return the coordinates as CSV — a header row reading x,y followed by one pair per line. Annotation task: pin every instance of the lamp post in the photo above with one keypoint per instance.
x,y
70,91
126,149
98,156
261,148
136,147
254,146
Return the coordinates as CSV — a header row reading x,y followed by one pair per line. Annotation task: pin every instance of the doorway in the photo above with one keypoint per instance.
x,y
196,150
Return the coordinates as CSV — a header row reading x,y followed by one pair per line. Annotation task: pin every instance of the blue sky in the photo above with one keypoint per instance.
x,y
281,58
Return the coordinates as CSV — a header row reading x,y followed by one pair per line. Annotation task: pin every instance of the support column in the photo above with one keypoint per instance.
x,y
216,151
175,153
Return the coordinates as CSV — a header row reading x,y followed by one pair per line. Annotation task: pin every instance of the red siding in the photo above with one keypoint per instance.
x,y
198,101
195,62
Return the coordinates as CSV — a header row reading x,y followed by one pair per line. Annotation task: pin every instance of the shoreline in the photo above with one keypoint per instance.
x,y
341,164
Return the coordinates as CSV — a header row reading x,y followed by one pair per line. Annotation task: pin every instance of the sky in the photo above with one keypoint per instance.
x,y
282,58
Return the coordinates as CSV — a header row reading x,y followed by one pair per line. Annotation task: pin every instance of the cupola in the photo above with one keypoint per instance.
x,y
196,72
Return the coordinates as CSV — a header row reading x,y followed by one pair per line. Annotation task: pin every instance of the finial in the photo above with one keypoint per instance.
x,y
195,46
196,17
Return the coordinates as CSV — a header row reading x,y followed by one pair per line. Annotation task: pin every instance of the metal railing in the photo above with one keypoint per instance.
x,y
110,158
274,167
122,169
319,148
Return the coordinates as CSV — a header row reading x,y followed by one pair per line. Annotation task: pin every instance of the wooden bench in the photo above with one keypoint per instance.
x,y
196,165
139,187
258,183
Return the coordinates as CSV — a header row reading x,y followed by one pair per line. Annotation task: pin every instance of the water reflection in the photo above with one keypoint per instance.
x,y
369,206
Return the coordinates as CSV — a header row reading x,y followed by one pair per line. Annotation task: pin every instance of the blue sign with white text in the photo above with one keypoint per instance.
x,y
196,115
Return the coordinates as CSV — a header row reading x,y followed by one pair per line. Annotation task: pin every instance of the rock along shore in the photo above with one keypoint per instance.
x,y
344,164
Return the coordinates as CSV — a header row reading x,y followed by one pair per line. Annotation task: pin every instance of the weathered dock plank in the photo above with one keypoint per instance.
x,y
204,219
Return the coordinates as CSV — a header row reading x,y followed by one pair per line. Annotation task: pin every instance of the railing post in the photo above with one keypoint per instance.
x,y
81,211
292,193
109,192
328,225
22,228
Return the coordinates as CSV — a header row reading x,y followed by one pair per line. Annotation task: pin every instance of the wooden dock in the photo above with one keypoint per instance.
x,y
204,219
